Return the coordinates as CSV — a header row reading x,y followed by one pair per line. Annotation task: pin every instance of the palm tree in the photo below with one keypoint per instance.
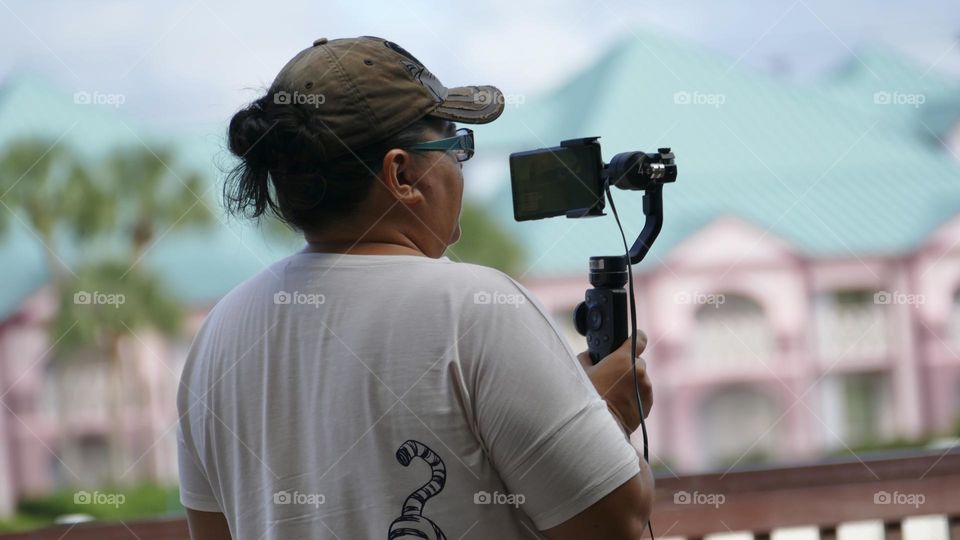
x,y
113,215
44,186
154,197
149,198
105,303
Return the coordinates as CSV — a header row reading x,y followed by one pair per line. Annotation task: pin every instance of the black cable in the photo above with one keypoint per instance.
x,y
633,337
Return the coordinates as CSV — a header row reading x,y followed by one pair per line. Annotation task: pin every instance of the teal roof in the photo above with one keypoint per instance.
x,y
871,180
815,165
877,73
199,267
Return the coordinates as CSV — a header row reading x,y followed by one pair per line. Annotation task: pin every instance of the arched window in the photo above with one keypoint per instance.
x,y
738,424
731,331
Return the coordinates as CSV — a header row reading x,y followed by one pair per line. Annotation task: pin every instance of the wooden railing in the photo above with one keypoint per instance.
x,y
164,529
824,495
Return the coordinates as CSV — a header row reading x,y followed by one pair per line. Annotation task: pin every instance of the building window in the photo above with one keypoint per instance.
x,y
739,425
865,418
94,456
731,332
851,324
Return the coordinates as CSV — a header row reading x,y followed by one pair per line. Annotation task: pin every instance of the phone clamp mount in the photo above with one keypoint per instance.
x,y
602,316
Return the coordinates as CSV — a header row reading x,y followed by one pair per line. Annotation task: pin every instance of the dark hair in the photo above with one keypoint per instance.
x,y
279,172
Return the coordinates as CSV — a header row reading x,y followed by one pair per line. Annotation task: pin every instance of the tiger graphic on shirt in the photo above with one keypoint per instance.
x,y
412,524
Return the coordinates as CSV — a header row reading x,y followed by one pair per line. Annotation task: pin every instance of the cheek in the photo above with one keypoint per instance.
x,y
457,183
456,206
445,188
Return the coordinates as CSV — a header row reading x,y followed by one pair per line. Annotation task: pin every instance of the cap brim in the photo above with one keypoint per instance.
x,y
471,104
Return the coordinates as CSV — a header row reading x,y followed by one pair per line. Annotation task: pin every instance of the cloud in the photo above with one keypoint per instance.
x,y
194,62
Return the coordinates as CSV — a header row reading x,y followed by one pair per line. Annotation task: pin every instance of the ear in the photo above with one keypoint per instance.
x,y
400,176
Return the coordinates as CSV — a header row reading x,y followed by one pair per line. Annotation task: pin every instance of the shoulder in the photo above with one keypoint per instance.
x,y
495,301
255,289
476,284
253,297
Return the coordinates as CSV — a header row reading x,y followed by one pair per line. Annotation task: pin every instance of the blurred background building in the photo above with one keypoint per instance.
x,y
804,296
803,299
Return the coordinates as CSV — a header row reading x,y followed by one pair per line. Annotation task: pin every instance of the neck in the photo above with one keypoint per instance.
x,y
362,248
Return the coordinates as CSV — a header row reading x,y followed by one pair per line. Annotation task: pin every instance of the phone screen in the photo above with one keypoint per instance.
x,y
551,181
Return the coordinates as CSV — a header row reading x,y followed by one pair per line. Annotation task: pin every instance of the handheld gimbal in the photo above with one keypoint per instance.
x,y
579,178
571,180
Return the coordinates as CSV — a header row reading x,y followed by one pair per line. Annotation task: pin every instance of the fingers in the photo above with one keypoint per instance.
x,y
641,367
614,381
641,341
641,344
646,386
622,392
622,351
585,360
646,391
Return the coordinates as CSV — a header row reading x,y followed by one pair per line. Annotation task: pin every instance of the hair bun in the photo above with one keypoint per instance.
x,y
248,136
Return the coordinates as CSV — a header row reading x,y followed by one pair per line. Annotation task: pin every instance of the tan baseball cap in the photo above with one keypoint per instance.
x,y
365,89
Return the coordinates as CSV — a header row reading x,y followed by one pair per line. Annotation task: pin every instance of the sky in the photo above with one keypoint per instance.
x,y
190,64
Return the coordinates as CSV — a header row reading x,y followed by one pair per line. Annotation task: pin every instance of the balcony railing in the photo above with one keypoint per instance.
x,y
824,496
758,501
734,342
855,332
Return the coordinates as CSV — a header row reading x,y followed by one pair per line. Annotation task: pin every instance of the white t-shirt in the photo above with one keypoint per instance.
x,y
369,396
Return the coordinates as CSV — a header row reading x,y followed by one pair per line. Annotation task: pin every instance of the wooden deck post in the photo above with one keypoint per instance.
x,y
892,530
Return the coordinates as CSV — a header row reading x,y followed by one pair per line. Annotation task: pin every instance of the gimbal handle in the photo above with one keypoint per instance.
x,y
602,316
653,209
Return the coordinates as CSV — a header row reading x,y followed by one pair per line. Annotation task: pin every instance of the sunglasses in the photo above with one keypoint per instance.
x,y
461,145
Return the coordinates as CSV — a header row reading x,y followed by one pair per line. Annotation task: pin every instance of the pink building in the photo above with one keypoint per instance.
x,y
757,351
803,298
804,295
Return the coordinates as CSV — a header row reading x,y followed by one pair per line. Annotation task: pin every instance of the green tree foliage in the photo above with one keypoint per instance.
x,y
152,197
484,241
125,202
110,298
44,186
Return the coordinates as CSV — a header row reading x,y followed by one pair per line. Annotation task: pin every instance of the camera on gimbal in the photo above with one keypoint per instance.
x,y
571,180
